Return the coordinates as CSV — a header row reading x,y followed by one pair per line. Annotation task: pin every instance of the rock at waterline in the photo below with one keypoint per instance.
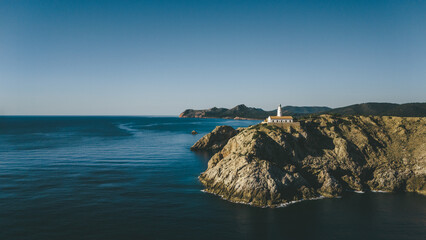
x,y
216,140
194,132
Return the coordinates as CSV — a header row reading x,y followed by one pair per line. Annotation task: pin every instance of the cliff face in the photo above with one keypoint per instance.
x,y
267,166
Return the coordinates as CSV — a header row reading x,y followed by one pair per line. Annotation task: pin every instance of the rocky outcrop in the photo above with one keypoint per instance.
x,y
216,140
265,165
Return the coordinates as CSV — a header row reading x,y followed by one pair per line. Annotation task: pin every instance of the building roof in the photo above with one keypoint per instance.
x,y
282,117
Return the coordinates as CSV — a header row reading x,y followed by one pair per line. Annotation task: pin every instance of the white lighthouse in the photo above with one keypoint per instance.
x,y
279,118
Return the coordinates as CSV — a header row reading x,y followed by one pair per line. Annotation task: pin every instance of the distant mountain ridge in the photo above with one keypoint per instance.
x,y
243,112
376,109
383,109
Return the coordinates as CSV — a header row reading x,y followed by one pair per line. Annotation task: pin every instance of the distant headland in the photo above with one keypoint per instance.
x,y
364,109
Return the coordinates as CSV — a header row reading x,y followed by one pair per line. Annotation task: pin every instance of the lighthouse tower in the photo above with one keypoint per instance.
x,y
279,119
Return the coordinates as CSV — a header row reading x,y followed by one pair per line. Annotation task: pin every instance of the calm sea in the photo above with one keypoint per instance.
x,y
135,178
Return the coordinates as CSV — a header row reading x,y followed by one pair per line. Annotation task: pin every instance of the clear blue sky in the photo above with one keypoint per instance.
x,y
161,57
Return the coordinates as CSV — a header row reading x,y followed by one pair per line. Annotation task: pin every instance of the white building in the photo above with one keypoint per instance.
x,y
279,118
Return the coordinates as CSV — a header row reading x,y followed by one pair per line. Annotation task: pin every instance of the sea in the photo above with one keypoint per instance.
x,y
108,177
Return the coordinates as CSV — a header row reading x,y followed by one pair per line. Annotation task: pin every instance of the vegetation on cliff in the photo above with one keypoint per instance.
x,y
265,165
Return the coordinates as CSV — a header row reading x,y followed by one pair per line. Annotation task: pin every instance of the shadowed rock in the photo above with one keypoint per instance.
x,y
215,140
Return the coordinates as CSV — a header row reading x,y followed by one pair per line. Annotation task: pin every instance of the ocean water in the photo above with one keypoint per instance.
x,y
135,178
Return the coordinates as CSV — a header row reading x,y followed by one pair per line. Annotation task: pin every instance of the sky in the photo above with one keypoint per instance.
x,y
162,57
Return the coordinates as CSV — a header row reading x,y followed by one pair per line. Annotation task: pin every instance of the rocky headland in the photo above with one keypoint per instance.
x,y
266,165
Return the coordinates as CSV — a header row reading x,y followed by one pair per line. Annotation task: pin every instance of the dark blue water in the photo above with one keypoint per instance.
x,y
135,178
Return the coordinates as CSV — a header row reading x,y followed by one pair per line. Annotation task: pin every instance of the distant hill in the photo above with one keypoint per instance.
x,y
383,109
244,112
375,109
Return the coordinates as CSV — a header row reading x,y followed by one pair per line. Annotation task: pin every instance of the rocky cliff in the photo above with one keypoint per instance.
x,y
265,165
